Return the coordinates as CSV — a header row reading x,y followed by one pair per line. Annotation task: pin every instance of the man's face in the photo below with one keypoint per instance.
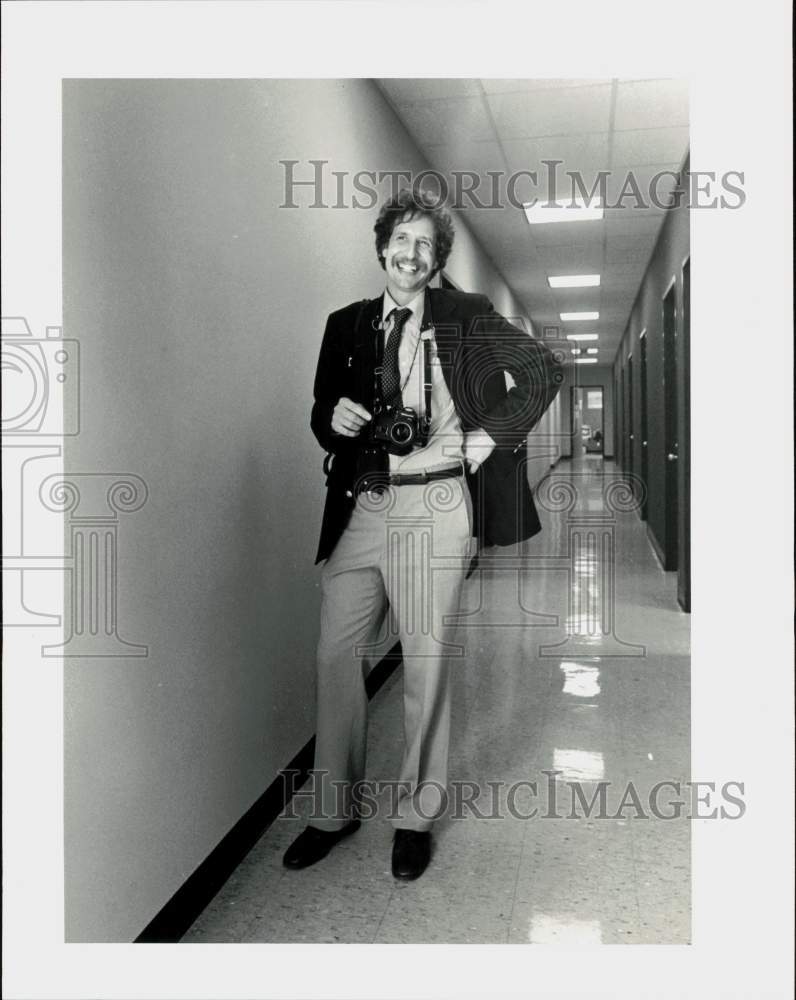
x,y
409,258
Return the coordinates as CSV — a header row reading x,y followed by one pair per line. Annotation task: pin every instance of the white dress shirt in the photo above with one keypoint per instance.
x,y
446,440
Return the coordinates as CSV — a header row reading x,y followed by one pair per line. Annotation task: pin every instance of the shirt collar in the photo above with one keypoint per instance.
x,y
416,305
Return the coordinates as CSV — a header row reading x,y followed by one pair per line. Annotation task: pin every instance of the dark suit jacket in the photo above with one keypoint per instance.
x,y
476,346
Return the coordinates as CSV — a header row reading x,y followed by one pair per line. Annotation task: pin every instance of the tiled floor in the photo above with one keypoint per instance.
x,y
612,705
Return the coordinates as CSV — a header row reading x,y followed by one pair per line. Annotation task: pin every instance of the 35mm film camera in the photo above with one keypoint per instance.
x,y
398,429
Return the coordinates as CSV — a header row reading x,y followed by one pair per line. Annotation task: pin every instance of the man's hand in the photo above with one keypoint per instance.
x,y
348,417
478,446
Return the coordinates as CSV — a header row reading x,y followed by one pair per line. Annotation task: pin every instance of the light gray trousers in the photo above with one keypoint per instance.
x,y
406,550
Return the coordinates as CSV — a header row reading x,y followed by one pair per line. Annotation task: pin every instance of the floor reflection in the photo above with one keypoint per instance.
x,y
547,929
597,689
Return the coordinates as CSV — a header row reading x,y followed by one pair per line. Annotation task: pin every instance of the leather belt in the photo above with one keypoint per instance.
x,y
378,482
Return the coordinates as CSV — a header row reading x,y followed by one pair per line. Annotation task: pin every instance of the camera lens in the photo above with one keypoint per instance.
x,y
401,432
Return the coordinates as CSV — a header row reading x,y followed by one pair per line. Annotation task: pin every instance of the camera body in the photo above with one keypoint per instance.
x,y
41,392
398,429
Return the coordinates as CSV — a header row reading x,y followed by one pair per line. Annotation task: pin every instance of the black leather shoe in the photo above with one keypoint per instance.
x,y
313,844
411,853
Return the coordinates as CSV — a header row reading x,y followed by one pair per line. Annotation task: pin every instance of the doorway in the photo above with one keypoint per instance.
x,y
631,451
684,537
645,469
670,405
588,424
622,422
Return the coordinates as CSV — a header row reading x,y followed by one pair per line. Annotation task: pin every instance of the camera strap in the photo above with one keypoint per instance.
x,y
422,345
425,420
378,369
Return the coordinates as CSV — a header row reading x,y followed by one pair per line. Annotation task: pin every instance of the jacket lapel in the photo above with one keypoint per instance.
x,y
365,348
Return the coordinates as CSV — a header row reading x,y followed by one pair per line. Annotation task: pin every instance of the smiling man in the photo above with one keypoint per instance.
x,y
424,451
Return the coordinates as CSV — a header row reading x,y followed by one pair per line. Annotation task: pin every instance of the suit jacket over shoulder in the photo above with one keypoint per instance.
x,y
476,347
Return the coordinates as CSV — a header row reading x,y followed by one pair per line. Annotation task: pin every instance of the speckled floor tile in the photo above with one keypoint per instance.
x,y
321,922
420,913
517,709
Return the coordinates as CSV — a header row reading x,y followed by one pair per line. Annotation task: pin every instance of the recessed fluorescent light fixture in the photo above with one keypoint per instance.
x,y
585,361
591,350
582,336
576,350
564,210
574,281
578,316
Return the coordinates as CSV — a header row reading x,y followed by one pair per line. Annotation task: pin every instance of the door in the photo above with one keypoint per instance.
x,y
644,417
631,447
592,420
671,449
622,421
684,536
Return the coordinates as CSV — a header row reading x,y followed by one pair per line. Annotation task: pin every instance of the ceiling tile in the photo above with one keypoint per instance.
x,y
651,104
447,121
577,234
567,120
584,153
465,154
570,259
620,248
644,146
568,111
654,184
631,222
494,86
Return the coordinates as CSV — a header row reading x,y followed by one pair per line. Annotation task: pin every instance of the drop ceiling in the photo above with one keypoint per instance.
x,y
591,125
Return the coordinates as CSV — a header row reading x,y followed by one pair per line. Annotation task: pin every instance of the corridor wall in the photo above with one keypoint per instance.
x,y
664,270
199,305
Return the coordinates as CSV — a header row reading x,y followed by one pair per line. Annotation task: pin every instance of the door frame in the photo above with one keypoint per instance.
x,y
684,442
603,390
671,468
643,344
631,451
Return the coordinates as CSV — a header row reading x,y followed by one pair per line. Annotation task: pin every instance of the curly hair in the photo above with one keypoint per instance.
x,y
407,205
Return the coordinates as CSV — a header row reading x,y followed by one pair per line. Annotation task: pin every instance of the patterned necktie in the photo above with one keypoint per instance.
x,y
390,375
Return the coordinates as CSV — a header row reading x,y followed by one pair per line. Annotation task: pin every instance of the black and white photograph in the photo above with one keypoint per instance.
x,y
380,455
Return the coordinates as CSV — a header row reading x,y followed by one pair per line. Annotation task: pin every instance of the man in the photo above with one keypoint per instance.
x,y
399,518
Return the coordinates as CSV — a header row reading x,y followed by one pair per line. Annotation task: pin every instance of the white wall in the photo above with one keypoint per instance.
x,y
199,306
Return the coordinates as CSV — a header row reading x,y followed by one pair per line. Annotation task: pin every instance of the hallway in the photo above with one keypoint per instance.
x,y
609,705
205,196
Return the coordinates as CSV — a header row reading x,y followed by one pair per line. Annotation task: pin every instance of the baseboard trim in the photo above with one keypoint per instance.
x,y
656,546
173,920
